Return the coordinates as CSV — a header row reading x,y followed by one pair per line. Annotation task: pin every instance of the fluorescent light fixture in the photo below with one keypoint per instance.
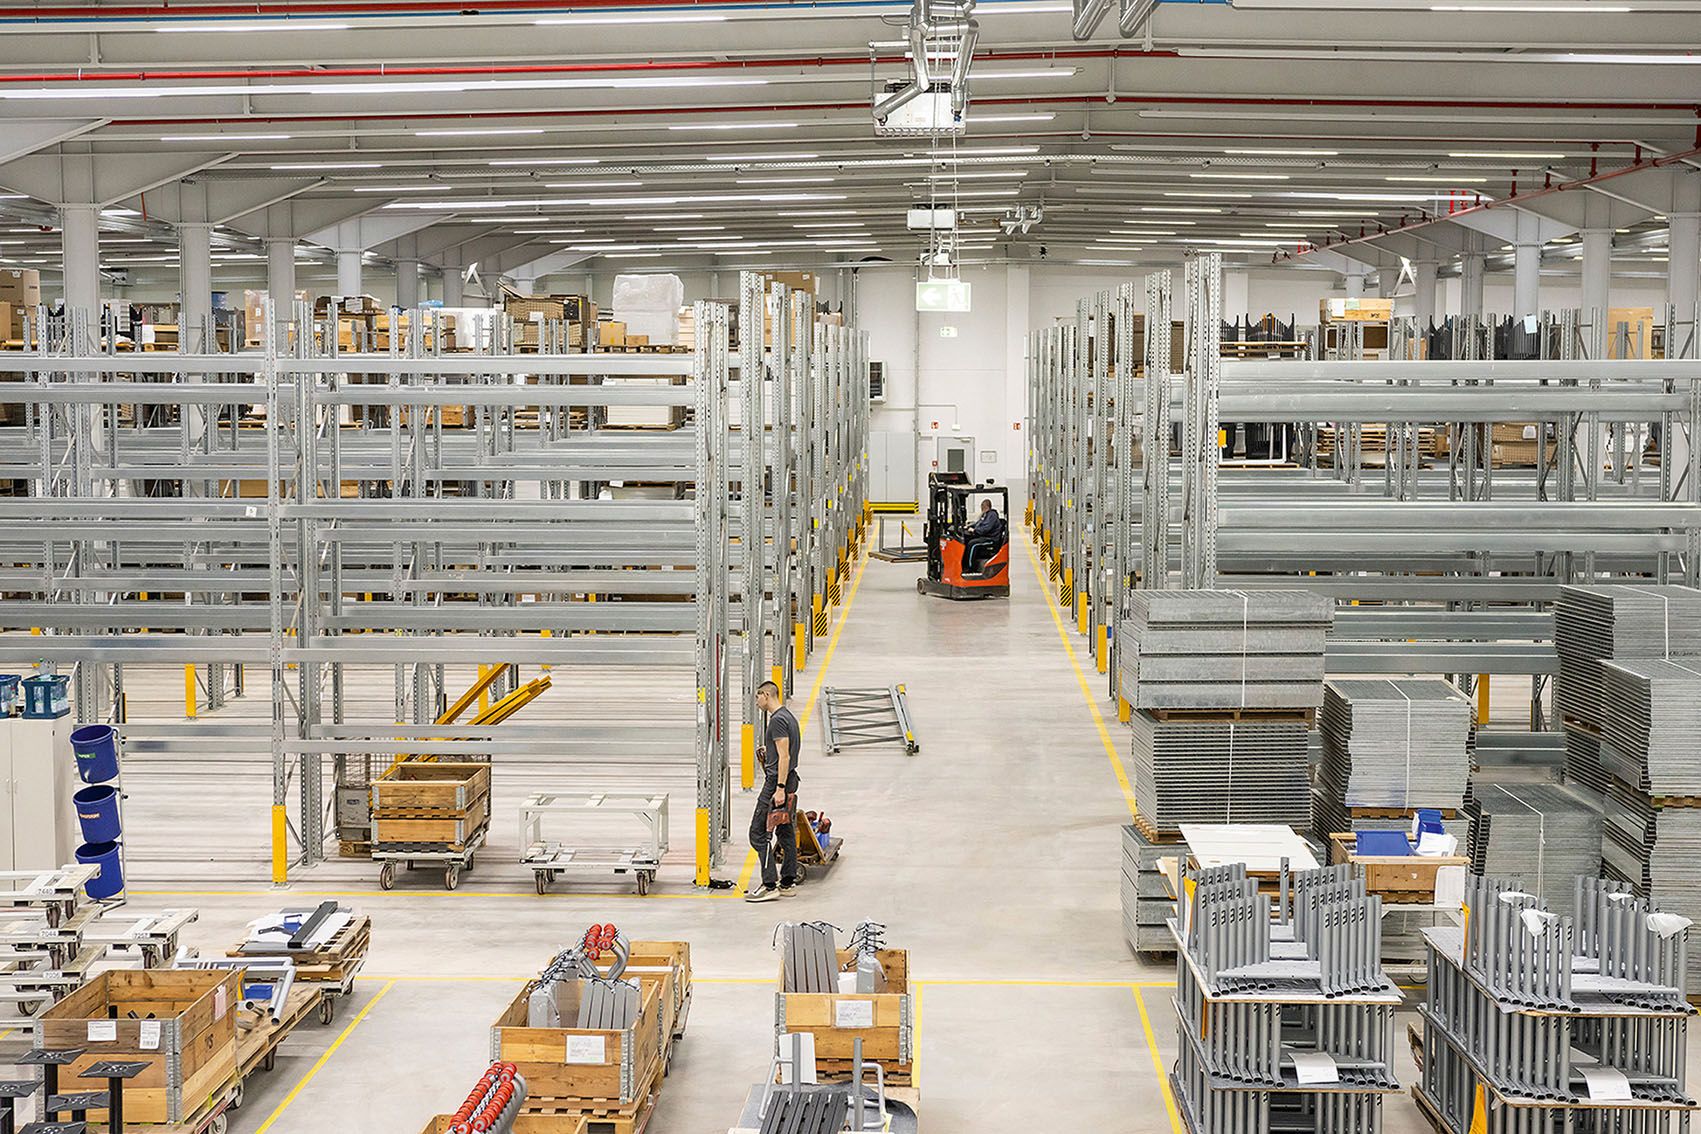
x,y
1516,155
254,26
1403,198
665,216
1284,153
984,118
986,151
545,161
840,236
621,183
397,188
1041,73
225,138
785,180
691,126
823,213
119,213
1441,180
317,165
1335,213
1148,233
986,193
473,133
956,175
833,224
549,232
759,157
1217,195
669,18
1178,209
1582,6
690,228
1627,57
1239,176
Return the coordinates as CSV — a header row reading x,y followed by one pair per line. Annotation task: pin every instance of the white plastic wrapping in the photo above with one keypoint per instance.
x,y
654,293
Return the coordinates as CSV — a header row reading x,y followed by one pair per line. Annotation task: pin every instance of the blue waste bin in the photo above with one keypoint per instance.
x,y
47,696
9,693
96,749
109,883
97,811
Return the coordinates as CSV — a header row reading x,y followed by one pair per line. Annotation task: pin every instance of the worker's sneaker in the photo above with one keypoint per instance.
x,y
761,894
788,889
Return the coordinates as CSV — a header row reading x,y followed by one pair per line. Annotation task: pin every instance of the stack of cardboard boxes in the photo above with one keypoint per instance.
x,y
20,292
535,316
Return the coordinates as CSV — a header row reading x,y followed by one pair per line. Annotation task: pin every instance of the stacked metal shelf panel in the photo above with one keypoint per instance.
x,y
1222,687
1548,835
1392,744
1651,724
1284,1017
1537,1022
1612,621
1147,904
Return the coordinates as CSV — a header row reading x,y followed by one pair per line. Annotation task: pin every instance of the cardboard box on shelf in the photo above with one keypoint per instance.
x,y
611,333
1360,308
797,281
532,307
20,287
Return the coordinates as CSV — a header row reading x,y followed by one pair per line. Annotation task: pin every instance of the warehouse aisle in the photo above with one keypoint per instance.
x,y
991,855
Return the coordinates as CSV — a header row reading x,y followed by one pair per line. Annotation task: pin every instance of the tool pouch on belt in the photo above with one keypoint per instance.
x,y
781,816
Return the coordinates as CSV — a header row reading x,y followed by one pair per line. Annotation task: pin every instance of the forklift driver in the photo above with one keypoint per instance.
x,y
984,537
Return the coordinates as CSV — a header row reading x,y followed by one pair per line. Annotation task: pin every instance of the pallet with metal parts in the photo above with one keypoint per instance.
x,y
1285,1018
794,1099
855,1002
1536,1021
327,942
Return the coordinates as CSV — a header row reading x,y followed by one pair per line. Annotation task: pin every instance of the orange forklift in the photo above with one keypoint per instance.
x,y
960,564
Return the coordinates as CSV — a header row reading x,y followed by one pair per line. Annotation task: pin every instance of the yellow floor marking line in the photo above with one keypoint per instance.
x,y
1081,679
375,895
323,1059
1158,1065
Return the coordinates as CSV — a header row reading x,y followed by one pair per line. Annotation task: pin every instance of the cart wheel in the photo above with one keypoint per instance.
x,y
541,877
555,875
236,1095
643,882
451,876
29,1008
802,871
219,1125
919,589
53,916
327,1011
387,875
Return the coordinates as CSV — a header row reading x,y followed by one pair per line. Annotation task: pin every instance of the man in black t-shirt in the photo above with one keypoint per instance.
x,y
779,753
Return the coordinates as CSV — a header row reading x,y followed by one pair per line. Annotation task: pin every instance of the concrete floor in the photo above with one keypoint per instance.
x,y
992,856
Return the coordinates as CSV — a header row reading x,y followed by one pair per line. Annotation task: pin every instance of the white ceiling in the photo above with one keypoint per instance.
x,y
676,134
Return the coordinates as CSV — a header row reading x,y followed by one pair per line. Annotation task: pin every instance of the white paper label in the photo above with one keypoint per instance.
x,y
1606,1084
1529,433
103,1031
586,1049
853,1014
150,1035
1315,1067
221,1003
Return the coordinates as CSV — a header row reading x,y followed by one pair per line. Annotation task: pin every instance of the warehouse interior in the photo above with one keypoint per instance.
x,y
1214,484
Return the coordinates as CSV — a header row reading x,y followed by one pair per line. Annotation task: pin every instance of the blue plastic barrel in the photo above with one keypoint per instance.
x,y
9,693
97,811
96,748
109,883
47,696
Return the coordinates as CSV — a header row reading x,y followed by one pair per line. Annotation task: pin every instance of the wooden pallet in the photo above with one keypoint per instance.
x,y
600,1116
1398,812
1205,716
337,961
1570,721
1153,835
839,1071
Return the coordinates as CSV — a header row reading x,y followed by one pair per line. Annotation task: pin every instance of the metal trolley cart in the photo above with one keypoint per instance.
x,y
594,845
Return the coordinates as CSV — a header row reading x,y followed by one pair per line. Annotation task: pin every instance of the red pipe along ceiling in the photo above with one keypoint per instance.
x,y
83,75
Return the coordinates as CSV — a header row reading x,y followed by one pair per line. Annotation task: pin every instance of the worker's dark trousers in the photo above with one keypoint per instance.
x,y
763,839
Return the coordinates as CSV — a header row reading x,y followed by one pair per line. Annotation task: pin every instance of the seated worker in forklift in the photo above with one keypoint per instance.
x,y
985,536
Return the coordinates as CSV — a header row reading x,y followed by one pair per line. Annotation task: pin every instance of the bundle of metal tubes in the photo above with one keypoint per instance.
x,y
1545,1014
493,1104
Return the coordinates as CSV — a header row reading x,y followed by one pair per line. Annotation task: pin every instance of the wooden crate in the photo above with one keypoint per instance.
x,y
422,786
625,1074
190,1060
888,1041
673,958
1398,878
523,1124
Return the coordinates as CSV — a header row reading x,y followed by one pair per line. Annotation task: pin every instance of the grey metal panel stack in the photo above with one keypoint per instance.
x,y
1657,851
1537,1022
1546,835
1265,989
1146,902
1651,724
1617,620
1583,761
1199,770
1402,744
1208,649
